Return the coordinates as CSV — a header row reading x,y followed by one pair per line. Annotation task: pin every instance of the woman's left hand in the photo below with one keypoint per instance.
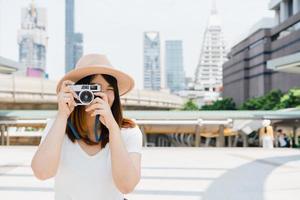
x,y
101,106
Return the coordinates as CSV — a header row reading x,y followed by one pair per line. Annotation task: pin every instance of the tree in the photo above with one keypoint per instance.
x,y
190,105
224,104
290,100
266,102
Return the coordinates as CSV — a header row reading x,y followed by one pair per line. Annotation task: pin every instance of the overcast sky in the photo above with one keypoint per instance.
x,y
115,28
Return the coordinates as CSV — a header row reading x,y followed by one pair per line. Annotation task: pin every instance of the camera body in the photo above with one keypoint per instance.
x,y
85,93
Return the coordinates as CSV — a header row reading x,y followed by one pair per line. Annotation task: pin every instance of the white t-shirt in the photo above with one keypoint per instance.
x,y
282,141
81,176
267,141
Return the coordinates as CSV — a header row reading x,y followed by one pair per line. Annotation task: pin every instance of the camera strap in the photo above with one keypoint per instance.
x,y
76,134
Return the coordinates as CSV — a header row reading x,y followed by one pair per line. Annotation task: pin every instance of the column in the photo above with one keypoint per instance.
x,y
2,130
221,138
296,9
283,11
198,137
245,139
296,6
277,16
142,128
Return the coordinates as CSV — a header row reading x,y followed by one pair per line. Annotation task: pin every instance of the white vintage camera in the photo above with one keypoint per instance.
x,y
85,93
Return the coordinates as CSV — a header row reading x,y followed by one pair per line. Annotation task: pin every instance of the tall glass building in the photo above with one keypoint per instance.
x,y
152,71
175,75
32,40
73,41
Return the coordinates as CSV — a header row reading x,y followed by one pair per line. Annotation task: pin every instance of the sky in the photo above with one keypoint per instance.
x,y
116,27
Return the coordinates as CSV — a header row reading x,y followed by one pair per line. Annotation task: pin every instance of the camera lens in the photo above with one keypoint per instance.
x,y
86,96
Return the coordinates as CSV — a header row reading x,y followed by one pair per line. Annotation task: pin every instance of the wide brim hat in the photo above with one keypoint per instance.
x,y
97,64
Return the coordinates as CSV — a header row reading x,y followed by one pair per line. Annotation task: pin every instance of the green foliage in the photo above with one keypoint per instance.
x,y
273,100
289,100
224,104
266,102
190,105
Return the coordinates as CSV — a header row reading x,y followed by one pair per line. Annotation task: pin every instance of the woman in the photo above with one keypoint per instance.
x,y
91,157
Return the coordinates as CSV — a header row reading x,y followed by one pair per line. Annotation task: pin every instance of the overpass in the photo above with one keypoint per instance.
x,y
20,92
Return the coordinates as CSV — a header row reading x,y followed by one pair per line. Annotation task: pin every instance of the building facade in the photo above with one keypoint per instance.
x,y
8,66
175,76
32,40
260,62
152,69
208,75
73,41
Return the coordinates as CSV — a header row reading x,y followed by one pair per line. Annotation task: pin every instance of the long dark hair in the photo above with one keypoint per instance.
x,y
78,116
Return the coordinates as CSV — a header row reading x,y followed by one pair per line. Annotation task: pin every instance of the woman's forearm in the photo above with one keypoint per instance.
x,y
46,159
124,173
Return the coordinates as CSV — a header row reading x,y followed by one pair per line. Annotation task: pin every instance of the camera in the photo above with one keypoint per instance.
x,y
85,93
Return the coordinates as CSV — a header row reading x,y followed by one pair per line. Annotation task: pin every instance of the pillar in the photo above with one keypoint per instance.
x,y
221,138
283,11
245,139
296,6
144,135
198,137
229,138
7,136
2,131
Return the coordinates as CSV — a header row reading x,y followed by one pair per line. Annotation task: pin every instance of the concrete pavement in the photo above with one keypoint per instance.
x,y
178,174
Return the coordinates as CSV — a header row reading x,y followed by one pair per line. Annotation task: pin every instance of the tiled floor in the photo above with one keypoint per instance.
x,y
179,174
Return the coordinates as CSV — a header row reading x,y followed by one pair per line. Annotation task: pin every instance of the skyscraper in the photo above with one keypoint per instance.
x,y
73,41
152,79
32,40
175,76
208,76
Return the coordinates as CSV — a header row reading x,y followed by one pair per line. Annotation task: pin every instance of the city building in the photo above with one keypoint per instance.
x,y
208,75
207,84
175,76
32,40
8,66
152,69
264,59
73,41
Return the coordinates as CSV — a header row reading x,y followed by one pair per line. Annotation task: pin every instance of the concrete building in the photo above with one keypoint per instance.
x,y
262,61
32,40
175,76
73,41
208,76
8,66
152,69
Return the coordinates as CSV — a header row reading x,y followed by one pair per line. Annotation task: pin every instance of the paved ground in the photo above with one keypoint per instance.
x,y
179,174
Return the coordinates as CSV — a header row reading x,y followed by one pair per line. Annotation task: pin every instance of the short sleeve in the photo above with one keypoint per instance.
x,y
133,139
49,124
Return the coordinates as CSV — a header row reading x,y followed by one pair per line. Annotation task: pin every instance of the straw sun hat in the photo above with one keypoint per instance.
x,y
97,64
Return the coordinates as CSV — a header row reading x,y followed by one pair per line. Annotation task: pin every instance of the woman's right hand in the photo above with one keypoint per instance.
x,y
65,98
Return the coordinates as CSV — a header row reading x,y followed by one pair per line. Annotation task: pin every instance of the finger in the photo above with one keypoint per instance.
x,y
98,112
68,102
94,107
95,101
72,104
66,83
102,95
68,98
68,90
